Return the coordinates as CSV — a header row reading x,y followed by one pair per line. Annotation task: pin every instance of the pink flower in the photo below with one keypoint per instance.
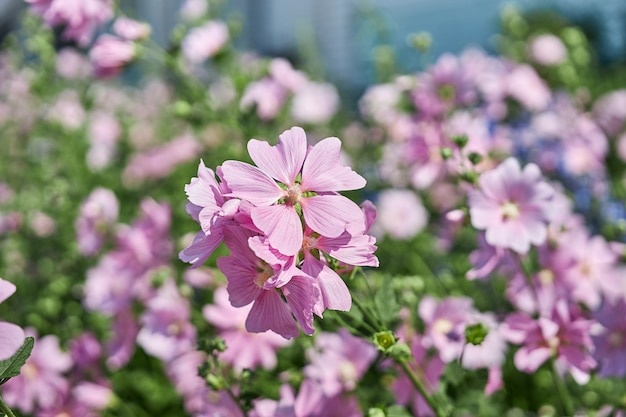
x,y
315,103
558,333
525,86
72,64
401,214
267,95
110,54
41,382
11,336
243,349
310,180
203,42
253,280
512,206
547,50
130,29
98,215
166,330
81,18
610,342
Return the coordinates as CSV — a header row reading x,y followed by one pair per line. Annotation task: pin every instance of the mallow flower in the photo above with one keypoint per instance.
x,y
288,179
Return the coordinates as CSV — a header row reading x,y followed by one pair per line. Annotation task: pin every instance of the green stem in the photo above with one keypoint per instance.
x,y
5,409
561,389
434,405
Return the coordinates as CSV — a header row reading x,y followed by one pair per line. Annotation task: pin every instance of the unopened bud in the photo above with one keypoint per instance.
x,y
475,158
476,333
460,140
446,153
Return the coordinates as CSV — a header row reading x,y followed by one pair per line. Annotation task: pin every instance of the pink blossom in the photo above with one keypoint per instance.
x,y
610,112
203,42
166,330
194,9
610,342
252,280
95,396
81,18
558,333
98,215
41,382
243,349
315,103
267,95
547,50
322,175
110,54
67,110
284,74
512,206
104,133
338,361
130,29
525,86
72,64
121,346
11,336
401,214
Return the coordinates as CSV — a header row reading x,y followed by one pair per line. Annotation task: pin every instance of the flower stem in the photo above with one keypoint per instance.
x,y
5,409
436,406
561,389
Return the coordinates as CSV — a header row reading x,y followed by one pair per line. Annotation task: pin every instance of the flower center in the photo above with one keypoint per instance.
x,y
546,276
29,371
293,194
616,339
446,92
309,243
509,211
443,326
264,272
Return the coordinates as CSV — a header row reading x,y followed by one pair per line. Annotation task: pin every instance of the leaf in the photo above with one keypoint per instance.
x,y
386,303
11,367
397,411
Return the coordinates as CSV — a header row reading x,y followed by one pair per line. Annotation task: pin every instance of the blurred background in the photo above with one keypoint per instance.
x,y
343,35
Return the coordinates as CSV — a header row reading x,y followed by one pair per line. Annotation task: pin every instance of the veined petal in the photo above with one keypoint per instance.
x,y
6,289
352,250
322,169
269,312
301,296
282,226
250,183
242,289
283,161
201,248
204,190
329,214
335,293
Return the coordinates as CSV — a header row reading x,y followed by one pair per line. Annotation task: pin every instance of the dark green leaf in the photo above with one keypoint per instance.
x,y
11,367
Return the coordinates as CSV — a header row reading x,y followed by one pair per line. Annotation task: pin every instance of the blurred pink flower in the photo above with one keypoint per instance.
x,y
547,50
512,206
71,64
525,86
41,382
130,29
315,103
110,54
267,95
202,42
194,9
283,73
98,215
610,341
243,349
401,214
104,133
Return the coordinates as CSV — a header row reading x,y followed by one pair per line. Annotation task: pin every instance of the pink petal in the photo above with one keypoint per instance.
x,y
6,289
283,161
250,183
242,289
335,293
11,338
301,296
204,190
528,359
329,214
269,312
282,226
200,249
322,170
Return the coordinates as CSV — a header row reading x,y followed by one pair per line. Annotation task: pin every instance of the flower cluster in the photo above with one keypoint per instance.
x,y
286,227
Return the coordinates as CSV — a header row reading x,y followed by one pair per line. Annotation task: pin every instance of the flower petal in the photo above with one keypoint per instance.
x,y
269,312
330,214
250,183
322,170
283,161
282,226
11,338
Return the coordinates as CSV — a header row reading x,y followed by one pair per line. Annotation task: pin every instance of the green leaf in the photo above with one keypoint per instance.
x,y
11,367
386,303
397,411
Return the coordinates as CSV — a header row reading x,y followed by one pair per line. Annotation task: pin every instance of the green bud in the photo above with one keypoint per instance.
x,y
476,333
446,153
211,345
375,412
420,41
182,108
460,140
475,158
215,382
400,351
470,176
384,340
